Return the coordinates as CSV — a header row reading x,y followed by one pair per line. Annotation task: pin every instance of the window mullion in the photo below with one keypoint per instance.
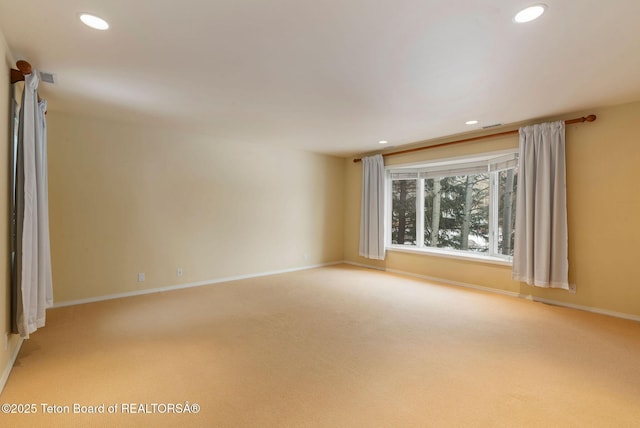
x,y
388,207
420,213
493,213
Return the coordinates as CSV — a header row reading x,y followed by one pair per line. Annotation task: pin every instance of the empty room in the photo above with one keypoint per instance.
x,y
320,214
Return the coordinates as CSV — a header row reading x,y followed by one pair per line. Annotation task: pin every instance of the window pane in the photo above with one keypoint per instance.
x,y
432,211
507,185
457,212
403,213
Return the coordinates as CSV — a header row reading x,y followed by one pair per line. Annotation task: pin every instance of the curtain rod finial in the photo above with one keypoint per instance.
x,y
24,67
590,118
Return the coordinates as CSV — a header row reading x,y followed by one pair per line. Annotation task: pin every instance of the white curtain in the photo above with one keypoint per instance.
x,y
372,208
540,249
34,286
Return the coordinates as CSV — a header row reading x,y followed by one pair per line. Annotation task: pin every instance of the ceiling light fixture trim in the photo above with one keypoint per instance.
x,y
530,13
94,22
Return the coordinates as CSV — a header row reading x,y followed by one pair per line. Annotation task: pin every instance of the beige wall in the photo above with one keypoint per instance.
x,y
5,300
126,199
131,198
603,172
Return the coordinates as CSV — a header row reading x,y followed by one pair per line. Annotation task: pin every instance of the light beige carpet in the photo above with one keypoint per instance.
x,y
330,347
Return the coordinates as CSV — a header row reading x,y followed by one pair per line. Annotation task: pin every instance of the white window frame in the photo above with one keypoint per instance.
x,y
492,256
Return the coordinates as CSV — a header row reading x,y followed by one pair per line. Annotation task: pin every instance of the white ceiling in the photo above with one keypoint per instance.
x,y
331,76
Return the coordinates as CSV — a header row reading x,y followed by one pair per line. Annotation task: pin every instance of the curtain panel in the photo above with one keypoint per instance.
x,y
372,208
541,240
34,286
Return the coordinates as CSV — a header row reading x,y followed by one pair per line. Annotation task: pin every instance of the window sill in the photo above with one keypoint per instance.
x,y
450,254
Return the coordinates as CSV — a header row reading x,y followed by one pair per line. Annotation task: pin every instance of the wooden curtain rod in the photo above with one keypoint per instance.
x,y
24,69
589,118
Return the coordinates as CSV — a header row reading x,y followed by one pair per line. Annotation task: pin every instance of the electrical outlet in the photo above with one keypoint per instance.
x,y
572,288
179,272
140,276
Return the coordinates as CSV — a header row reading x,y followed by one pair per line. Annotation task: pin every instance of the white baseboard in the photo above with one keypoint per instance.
x,y
362,265
504,292
12,360
187,285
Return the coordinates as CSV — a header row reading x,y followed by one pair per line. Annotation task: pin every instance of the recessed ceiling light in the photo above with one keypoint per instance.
x,y
530,13
382,142
94,21
471,122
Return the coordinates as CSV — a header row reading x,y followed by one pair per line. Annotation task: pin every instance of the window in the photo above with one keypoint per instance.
x,y
456,206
